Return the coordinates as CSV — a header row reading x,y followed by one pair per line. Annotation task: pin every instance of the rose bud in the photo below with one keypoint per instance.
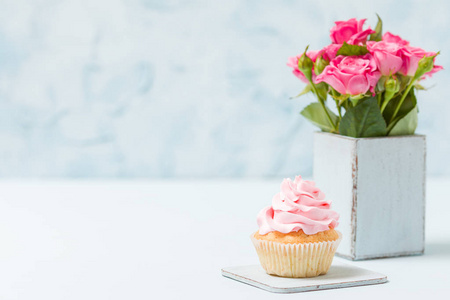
x,y
426,64
305,65
320,64
392,86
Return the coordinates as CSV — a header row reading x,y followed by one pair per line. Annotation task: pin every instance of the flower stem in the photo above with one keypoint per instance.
x,y
322,102
338,108
401,100
383,107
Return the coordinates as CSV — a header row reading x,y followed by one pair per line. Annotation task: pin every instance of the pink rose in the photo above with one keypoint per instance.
x,y
387,55
293,63
411,57
392,38
329,52
350,31
351,75
392,49
313,54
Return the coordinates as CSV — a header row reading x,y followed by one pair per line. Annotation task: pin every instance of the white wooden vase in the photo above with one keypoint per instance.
x,y
377,185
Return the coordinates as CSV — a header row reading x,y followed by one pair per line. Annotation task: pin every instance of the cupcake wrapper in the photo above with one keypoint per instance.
x,y
296,260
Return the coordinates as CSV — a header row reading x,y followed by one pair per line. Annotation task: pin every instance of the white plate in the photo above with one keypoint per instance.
x,y
340,275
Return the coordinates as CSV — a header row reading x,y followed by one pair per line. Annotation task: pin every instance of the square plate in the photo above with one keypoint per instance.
x,y
340,275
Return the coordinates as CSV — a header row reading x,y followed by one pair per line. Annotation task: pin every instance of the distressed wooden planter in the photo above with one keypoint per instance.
x,y
377,185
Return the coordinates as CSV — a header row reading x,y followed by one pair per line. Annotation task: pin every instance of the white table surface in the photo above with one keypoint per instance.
x,y
169,240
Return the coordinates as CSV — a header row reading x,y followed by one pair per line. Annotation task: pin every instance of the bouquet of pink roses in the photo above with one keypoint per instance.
x,y
371,78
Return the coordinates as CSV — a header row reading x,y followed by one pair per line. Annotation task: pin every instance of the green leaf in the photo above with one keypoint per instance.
x,y
349,50
420,87
363,120
378,31
306,90
407,125
408,104
316,115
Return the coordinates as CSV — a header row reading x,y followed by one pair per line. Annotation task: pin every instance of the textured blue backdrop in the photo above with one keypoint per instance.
x,y
182,88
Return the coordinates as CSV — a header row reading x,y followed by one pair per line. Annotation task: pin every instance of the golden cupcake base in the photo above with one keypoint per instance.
x,y
297,260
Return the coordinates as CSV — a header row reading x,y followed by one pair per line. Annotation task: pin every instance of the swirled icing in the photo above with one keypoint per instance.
x,y
298,205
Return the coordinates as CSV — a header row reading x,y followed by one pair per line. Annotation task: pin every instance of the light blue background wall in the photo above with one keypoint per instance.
x,y
182,88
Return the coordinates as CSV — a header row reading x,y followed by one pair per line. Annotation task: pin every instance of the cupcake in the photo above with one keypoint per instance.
x,y
296,236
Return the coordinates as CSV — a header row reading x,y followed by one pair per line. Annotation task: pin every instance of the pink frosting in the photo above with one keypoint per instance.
x,y
299,205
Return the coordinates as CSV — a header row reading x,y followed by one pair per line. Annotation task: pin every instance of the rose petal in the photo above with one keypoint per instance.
x,y
358,85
